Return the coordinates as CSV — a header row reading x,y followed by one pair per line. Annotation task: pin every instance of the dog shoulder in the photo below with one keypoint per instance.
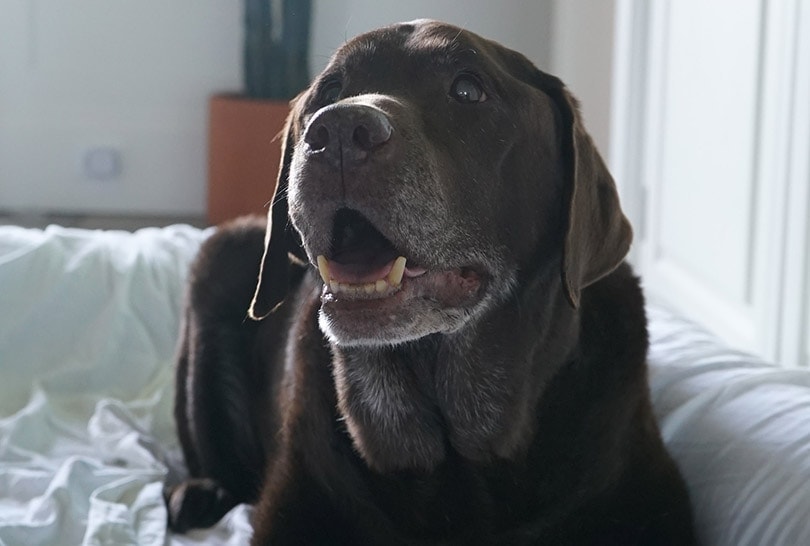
x,y
224,274
614,318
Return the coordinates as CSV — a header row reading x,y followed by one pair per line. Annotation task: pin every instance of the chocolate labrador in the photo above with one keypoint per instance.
x,y
448,347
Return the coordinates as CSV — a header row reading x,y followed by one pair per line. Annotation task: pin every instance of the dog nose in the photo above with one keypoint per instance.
x,y
348,132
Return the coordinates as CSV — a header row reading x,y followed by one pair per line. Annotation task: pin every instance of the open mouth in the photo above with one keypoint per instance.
x,y
374,292
362,263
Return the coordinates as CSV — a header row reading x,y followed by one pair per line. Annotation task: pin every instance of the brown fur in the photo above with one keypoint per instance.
x,y
506,406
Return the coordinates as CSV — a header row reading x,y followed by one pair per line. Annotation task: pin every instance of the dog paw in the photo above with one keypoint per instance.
x,y
196,503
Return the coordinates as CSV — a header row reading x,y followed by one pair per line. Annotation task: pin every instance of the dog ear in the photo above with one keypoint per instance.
x,y
597,235
279,240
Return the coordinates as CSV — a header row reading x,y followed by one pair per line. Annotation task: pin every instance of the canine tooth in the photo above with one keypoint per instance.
x,y
381,285
323,268
395,276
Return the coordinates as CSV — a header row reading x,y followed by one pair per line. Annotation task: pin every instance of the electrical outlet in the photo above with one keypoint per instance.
x,y
101,163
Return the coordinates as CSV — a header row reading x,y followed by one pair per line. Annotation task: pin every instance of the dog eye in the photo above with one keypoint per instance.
x,y
330,92
467,90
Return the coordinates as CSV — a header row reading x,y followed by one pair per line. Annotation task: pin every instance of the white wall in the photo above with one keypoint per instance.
x,y
582,55
132,74
135,75
524,25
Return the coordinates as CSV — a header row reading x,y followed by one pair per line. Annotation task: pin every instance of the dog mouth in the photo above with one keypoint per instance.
x,y
363,265
362,262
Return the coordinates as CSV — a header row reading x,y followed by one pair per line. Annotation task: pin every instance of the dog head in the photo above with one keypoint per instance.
x,y
427,172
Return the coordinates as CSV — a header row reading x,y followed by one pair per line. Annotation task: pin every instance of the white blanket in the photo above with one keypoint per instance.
x,y
88,326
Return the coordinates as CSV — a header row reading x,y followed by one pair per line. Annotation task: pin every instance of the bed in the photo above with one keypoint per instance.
x,y
88,325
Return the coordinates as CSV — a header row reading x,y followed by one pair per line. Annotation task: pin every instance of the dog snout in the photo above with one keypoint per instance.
x,y
344,134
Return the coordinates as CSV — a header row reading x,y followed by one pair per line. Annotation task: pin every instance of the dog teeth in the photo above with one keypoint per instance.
x,y
358,289
323,268
392,281
395,276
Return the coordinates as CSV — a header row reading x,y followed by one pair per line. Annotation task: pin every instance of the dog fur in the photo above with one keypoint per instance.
x,y
499,395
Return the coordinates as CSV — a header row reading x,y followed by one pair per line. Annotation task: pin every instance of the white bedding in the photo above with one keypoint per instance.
x,y
88,323
740,432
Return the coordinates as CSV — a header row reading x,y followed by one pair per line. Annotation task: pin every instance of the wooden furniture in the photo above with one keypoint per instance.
x,y
244,152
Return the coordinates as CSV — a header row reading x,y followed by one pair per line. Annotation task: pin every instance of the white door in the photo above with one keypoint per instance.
x,y
710,136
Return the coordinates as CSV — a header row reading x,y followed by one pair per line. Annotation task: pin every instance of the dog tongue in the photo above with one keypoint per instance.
x,y
352,270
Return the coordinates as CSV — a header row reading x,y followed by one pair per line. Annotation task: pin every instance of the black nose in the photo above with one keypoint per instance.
x,y
348,133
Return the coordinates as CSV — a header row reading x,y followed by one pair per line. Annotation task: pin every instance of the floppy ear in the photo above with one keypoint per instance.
x,y
597,235
279,239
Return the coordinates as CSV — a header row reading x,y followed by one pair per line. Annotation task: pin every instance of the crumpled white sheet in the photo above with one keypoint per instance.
x,y
88,326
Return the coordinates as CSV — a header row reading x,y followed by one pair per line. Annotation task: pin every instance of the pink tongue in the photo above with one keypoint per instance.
x,y
358,273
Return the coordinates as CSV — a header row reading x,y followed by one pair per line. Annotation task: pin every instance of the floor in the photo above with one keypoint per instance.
x,y
89,221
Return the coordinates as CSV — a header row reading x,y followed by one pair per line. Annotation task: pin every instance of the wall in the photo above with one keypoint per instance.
x,y
524,25
135,75
130,74
582,55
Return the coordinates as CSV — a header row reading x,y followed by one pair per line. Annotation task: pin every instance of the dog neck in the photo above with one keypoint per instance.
x,y
474,392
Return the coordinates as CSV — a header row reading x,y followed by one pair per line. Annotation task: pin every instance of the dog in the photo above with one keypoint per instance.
x,y
448,347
